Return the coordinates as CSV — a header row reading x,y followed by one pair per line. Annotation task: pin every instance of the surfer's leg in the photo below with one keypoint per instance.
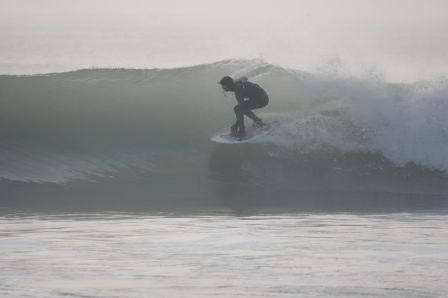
x,y
254,103
234,129
251,115
240,130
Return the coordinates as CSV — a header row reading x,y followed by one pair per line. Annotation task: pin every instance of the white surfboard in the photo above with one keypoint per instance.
x,y
252,135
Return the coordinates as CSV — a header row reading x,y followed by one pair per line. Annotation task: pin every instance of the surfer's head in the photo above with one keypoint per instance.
x,y
227,83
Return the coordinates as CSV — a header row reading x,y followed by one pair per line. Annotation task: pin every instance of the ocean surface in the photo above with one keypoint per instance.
x,y
111,187
264,255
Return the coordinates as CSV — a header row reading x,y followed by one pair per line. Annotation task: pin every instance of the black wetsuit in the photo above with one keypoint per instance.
x,y
249,96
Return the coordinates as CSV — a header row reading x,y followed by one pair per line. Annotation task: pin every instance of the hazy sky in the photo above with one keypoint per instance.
x,y
404,39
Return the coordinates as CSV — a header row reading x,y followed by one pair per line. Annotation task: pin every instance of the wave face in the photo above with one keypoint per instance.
x,y
145,133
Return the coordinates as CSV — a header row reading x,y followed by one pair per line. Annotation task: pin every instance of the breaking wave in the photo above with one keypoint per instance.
x,y
153,128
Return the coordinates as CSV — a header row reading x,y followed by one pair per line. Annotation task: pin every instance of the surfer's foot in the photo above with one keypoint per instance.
x,y
259,124
238,134
241,134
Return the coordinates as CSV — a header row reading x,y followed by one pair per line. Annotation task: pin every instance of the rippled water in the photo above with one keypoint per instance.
x,y
292,255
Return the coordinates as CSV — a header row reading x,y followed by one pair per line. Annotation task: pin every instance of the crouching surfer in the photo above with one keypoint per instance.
x,y
249,96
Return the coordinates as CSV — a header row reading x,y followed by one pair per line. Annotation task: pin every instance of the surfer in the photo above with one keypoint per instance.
x,y
249,96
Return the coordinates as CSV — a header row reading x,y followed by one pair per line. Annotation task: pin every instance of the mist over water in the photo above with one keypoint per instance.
x,y
111,187
405,42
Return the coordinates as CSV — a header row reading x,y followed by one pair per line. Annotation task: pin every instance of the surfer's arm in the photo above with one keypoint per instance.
x,y
239,98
